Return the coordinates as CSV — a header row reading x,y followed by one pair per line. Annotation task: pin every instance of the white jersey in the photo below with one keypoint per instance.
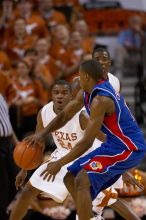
x,y
114,81
66,137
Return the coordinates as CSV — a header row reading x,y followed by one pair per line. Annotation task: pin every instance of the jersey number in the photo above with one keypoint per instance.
x,y
68,147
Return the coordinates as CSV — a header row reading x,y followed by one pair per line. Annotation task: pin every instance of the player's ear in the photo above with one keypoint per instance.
x,y
86,76
110,63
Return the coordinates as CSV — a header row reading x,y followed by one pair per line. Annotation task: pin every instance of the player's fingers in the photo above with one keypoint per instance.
x,y
45,176
45,171
42,174
53,178
29,140
49,177
34,142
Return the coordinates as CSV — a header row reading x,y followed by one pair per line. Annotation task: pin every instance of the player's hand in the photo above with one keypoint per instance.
x,y
128,179
20,178
34,139
52,169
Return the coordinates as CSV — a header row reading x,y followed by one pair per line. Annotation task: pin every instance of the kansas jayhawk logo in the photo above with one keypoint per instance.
x,y
95,165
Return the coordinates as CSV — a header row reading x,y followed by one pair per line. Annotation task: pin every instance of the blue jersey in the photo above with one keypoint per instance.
x,y
123,150
121,128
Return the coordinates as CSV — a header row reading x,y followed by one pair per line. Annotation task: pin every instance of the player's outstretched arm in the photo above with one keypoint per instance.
x,y
60,120
100,105
39,125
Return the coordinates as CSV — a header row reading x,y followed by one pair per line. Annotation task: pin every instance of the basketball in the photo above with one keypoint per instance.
x,y
28,157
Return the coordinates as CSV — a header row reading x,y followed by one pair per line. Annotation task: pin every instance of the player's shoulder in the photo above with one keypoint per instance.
x,y
102,105
47,107
114,81
112,77
100,99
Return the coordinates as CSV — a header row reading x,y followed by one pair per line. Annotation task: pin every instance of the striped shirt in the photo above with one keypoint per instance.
x,y
5,124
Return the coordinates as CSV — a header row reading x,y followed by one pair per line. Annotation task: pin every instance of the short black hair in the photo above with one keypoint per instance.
x,y
100,48
93,68
62,82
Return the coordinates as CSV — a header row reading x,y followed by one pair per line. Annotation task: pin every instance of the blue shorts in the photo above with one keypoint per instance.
x,y
104,167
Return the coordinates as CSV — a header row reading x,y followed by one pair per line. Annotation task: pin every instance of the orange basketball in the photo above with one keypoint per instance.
x,y
28,157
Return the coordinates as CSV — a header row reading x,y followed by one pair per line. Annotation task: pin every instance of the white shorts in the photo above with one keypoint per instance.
x,y
55,190
113,198
119,183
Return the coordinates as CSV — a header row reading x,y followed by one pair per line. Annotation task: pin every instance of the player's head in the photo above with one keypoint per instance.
x,y
61,94
91,72
102,55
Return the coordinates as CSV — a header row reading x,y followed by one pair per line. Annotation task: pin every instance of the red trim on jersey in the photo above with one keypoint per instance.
x,y
113,126
87,95
87,98
101,163
101,81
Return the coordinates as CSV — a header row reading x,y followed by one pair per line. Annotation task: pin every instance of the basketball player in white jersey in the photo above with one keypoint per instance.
x,y
65,138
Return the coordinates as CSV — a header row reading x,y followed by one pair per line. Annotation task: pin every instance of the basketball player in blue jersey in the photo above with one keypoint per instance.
x,y
123,149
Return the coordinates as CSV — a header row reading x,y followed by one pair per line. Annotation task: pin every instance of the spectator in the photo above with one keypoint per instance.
x,y
75,54
6,16
50,15
4,61
6,13
129,48
88,41
60,43
23,114
68,7
43,46
40,75
35,25
30,56
17,43
6,88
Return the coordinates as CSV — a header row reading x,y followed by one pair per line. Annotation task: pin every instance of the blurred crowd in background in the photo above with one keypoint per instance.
x,y
42,41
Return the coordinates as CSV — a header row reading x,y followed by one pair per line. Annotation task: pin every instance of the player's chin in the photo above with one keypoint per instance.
x,y
60,105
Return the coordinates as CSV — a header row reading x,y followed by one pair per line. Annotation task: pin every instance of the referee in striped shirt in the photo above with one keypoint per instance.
x,y
8,170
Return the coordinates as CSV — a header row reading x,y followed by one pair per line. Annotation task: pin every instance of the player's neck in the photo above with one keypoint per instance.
x,y
56,110
105,75
91,86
